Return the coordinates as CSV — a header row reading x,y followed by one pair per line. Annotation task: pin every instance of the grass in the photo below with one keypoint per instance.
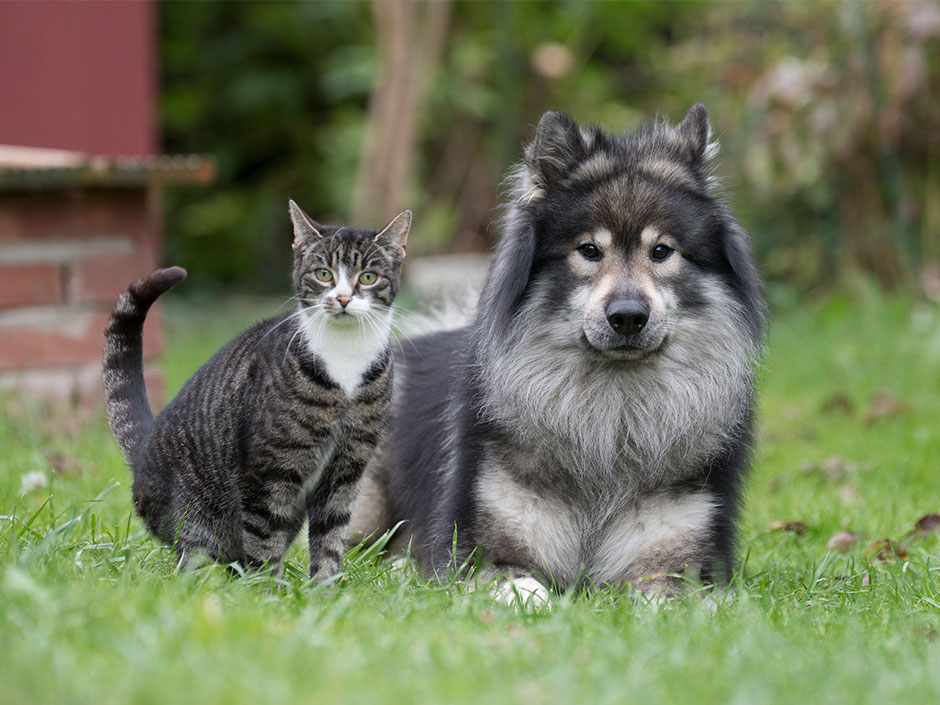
x,y
93,611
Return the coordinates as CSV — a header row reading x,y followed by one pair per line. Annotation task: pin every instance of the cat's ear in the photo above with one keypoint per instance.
x,y
305,227
395,234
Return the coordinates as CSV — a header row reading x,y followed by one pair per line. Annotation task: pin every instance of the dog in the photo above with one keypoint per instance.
x,y
592,424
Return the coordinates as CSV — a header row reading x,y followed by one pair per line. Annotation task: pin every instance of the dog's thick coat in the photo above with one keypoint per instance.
x,y
593,422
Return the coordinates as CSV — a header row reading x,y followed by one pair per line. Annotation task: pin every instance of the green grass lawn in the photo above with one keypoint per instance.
x,y
93,611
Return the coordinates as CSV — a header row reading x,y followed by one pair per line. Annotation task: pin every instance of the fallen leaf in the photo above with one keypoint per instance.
x,y
840,401
65,464
796,527
883,405
887,551
927,525
843,541
777,482
930,282
835,467
849,494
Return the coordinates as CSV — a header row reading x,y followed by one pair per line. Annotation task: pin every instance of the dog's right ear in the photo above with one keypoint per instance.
x,y
305,227
695,132
556,148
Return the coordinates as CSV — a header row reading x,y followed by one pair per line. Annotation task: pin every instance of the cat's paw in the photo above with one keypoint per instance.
x,y
522,592
326,573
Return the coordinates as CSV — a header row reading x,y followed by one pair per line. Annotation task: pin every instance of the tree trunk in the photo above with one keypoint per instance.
x,y
410,36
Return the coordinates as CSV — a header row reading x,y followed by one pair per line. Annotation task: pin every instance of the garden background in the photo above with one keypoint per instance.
x,y
828,117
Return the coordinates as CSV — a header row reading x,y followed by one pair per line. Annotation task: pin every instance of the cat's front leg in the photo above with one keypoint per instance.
x,y
329,509
270,518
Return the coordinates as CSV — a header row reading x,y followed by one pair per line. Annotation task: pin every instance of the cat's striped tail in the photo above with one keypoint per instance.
x,y
129,410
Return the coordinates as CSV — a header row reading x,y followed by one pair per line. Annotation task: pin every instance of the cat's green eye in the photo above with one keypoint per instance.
x,y
367,278
323,274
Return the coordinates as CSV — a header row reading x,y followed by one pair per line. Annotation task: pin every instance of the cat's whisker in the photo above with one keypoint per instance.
x,y
299,312
286,301
370,319
291,341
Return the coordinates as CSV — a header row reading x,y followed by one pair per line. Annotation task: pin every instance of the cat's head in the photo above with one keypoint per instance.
x,y
347,272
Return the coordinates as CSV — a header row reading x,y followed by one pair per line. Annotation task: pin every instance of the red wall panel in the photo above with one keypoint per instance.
x,y
79,75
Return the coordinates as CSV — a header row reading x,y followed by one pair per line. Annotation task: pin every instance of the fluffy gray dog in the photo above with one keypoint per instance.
x,y
592,424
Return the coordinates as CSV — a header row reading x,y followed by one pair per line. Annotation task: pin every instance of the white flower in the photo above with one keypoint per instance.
x,y
33,481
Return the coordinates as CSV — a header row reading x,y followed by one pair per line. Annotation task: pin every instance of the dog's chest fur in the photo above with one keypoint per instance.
x,y
528,514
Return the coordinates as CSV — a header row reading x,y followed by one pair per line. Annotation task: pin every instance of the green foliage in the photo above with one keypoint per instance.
x,y
276,93
838,170
823,111
94,611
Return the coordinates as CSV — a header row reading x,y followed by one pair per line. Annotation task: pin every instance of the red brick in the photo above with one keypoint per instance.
x,y
29,285
101,278
80,386
88,387
64,337
156,387
83,213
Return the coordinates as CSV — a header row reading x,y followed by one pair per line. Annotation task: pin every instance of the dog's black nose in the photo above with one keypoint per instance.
x,y
628,316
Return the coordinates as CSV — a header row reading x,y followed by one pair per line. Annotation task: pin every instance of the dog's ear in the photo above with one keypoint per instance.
x,y
695,133
557,147
736,251
305,227
505,285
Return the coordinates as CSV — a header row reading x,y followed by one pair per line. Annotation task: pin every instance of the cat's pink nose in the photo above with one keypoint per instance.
x,y
344,300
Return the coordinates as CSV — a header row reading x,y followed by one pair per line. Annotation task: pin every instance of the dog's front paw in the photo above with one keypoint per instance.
x,y
525,591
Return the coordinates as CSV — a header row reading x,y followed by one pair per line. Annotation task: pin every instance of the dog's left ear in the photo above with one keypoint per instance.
x,y
556,148
395,234
695,132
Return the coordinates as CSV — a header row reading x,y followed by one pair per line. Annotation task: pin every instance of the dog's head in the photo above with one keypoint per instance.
x,y
613,240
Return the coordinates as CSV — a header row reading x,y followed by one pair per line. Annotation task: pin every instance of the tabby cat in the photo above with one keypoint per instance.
x,y
278,425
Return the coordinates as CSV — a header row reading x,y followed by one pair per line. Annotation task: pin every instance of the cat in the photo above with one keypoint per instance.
x,y
278,425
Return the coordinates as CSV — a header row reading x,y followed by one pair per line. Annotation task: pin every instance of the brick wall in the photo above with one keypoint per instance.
x,y
65,255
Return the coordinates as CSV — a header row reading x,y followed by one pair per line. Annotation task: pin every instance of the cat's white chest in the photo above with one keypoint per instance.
x,y
347,348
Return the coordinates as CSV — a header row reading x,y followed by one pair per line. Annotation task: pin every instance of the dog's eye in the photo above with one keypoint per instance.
x,y
590,251
661,252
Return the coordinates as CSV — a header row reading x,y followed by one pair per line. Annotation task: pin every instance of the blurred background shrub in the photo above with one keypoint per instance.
x,y
827,114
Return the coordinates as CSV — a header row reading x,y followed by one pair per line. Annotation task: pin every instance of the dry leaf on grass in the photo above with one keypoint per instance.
x,y
927,525
63,464
843,541
849,494
838,402
796,527
930,281
883,405
887,551
835,467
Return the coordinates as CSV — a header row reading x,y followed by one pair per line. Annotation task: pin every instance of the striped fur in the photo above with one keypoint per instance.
x,y
264,436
